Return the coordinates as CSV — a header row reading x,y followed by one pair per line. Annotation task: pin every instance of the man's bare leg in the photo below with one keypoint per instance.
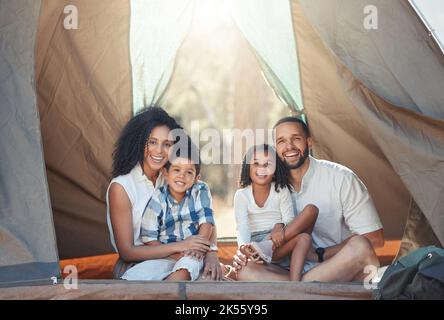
x,y
347,265
262,272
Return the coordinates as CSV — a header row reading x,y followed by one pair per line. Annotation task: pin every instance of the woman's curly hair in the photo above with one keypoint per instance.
x,y
280,177
130,147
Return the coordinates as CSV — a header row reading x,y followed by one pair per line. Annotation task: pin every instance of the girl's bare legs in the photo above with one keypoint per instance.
x,y
303,223
298,256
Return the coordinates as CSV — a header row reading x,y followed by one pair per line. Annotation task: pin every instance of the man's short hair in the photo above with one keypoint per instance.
x,y
292,119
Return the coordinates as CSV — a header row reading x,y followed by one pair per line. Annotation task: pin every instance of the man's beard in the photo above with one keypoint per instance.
x,y
300,162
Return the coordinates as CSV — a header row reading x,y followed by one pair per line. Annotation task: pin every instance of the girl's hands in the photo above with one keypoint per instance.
x,y
239,260
246,250
277,236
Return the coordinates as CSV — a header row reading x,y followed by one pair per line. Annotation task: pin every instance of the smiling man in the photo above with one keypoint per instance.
x,y
348,228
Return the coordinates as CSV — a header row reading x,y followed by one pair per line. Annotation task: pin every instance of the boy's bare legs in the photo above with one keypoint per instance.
x,y
299,255
179,275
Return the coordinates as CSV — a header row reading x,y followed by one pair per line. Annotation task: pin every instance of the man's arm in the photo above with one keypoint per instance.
x,y
359,213
376,238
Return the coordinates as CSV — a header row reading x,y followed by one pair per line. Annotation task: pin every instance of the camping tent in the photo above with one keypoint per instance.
x,y
373,99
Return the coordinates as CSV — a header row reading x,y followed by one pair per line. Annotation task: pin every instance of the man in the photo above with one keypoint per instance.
x,y
348,228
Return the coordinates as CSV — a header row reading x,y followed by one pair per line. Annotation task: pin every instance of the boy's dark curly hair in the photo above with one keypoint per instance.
x,y
130,147
280,177
184,148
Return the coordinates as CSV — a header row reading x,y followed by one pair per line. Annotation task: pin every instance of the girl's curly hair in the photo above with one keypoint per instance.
x,y
280,177
130,146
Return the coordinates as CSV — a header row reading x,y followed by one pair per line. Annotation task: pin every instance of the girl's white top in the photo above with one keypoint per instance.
x,y
278,208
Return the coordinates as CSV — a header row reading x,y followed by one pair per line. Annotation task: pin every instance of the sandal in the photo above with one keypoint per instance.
x,y
229,273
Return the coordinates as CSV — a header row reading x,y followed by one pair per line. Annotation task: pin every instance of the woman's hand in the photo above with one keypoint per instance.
x,y
212,269
197,243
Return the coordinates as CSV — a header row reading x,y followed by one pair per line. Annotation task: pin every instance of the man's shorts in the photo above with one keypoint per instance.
x,y
159,269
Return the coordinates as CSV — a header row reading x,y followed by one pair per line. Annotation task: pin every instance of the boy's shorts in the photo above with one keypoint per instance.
x,y
159,269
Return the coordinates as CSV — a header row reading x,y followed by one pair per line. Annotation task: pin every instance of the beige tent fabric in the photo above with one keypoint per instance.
x,y
341,134
398,60
158,28
27,241
414,145
267,27
84,95
418,232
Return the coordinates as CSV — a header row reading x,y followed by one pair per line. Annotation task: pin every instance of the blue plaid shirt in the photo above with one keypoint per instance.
x,y
167,220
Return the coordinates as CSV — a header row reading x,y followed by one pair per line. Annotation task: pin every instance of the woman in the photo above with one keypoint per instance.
x,y
141,152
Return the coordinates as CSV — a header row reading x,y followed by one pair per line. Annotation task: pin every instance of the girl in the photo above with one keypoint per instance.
x,y
267,228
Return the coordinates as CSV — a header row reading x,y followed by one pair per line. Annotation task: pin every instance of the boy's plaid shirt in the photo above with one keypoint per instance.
x,y
166,220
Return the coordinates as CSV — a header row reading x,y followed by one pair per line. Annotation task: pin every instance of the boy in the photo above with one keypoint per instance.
x,y
177,210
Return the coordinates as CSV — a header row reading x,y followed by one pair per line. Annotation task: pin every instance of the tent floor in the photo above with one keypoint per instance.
x,y
123,290
101,267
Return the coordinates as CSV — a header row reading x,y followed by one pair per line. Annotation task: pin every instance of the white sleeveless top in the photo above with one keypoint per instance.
x,y
139,190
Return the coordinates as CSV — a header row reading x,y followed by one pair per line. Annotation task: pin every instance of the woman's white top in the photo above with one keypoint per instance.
x,y
278,208
139,190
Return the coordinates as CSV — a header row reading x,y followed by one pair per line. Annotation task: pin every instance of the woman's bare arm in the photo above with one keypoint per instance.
x,y
122,224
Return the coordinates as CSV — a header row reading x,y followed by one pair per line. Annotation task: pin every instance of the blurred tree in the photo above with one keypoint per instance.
x,y
217,82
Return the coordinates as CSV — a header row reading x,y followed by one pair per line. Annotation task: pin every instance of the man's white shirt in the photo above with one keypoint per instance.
x,y
345,206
